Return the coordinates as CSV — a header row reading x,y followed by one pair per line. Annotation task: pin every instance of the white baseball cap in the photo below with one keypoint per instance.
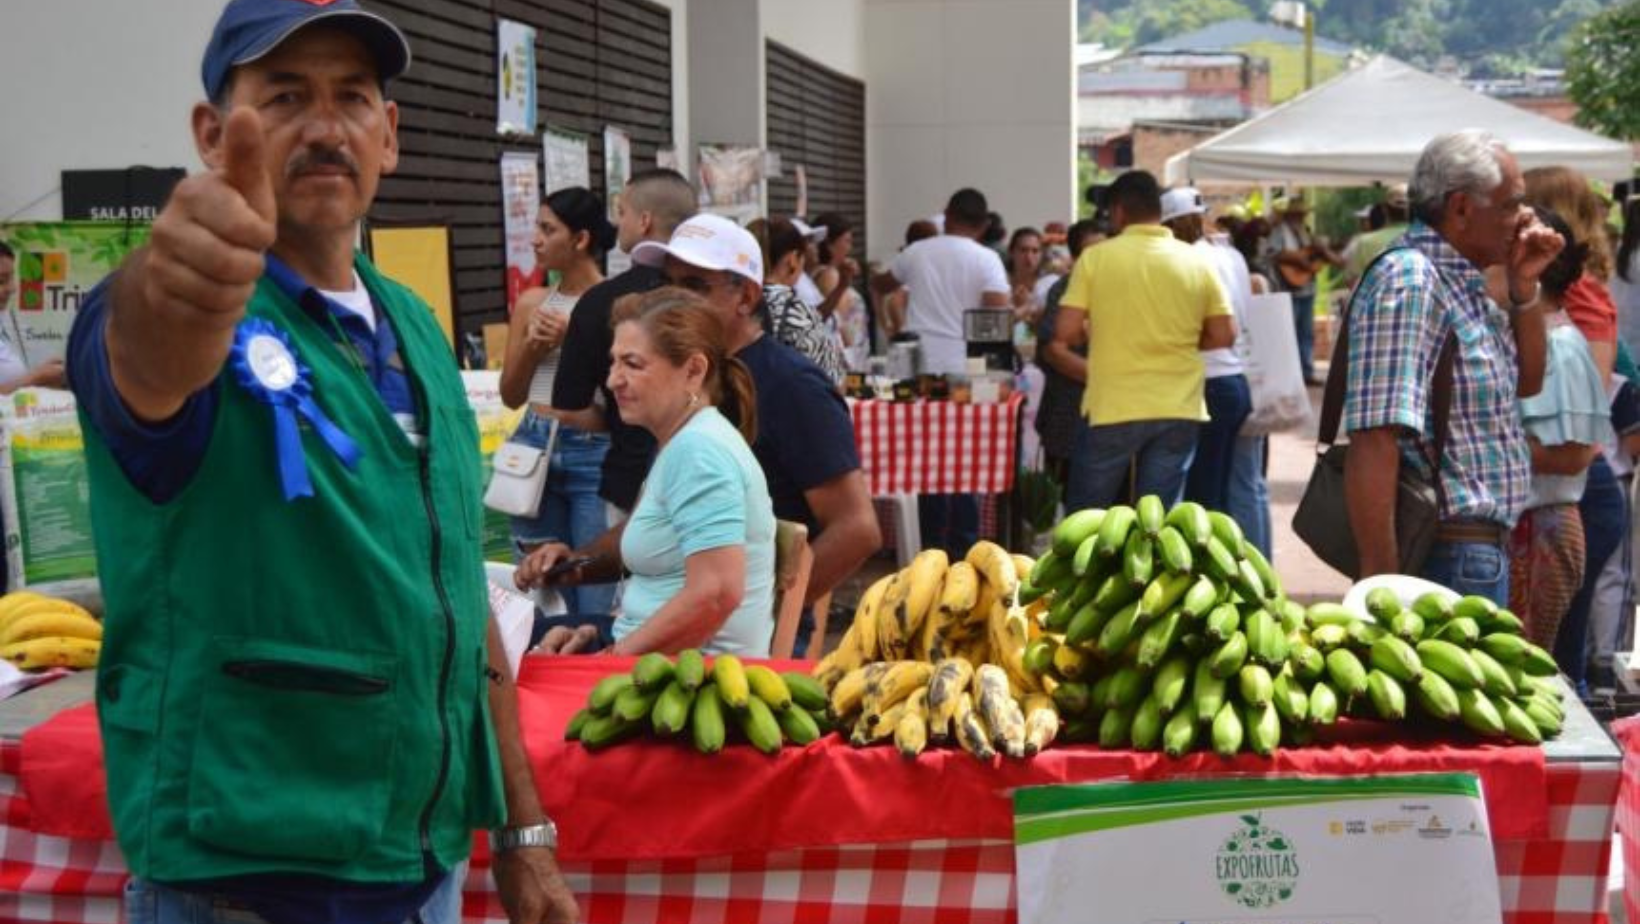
x,y
814,234
710,242
1185,200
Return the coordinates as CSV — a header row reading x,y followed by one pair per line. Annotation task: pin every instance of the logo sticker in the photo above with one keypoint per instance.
x,y
1257,866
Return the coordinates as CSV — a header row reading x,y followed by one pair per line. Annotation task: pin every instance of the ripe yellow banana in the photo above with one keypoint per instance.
x,y
993,562
1000,711
849,693
1041,722
1008,634
872,729
970,729
957,595
893,687
846,657
911,733
75,623
52,651
892,642
950,680
923,578
33,605
16,600
865,616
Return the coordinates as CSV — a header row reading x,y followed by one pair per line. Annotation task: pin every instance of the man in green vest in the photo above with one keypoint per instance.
x,y
305,709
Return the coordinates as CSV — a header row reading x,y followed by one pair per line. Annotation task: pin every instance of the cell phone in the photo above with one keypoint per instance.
x,y
567,565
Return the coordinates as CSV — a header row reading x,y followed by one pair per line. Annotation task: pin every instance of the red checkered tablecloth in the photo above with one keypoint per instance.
x,y
1558,880
937,447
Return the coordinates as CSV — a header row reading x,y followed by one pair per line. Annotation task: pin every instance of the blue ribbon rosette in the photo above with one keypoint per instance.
x,y
265,364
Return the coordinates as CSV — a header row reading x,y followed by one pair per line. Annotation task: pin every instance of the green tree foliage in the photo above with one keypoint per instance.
x,y
1603,71
1493,37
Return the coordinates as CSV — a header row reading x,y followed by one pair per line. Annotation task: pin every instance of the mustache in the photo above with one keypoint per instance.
x,y
308,158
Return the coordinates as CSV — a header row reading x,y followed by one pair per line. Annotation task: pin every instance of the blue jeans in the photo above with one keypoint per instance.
x,y
1229,401
1158,451
949,522
1249,496
1605,519
1470,568
154,903
571,511
1304,326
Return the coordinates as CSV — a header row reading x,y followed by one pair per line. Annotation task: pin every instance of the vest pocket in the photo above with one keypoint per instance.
x,y
294,748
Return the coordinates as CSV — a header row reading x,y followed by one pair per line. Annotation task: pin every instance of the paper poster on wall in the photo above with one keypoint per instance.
x,y
617,165
57,264
731,181
1258,849
419,258
45,494
564,161
520,202
515,78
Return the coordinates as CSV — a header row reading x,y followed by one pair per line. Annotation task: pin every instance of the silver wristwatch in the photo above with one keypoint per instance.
x,y
512,838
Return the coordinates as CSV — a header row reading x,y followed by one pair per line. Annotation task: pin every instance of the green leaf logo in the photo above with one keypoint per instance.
x,y
1257,866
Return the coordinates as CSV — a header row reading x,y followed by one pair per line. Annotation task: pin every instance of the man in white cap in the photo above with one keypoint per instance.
x,y
805,438
305,707
1227,472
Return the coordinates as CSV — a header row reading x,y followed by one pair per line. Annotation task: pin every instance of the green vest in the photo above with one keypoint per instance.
x,y
299,686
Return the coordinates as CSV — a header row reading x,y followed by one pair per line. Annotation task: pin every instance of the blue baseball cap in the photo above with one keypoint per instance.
x,y
249,29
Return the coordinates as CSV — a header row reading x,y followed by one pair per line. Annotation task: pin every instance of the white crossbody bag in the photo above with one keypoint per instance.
x,y
519,476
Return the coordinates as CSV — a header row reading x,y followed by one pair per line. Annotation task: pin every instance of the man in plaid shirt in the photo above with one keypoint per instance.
x,y
1468,202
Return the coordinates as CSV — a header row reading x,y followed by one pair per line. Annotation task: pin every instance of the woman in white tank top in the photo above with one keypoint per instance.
x,y
571,236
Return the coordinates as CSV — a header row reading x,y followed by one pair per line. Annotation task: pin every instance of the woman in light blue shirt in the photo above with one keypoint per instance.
x,y
1566,423
699,545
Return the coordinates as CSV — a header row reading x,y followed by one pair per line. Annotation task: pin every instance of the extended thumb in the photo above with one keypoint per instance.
x,y
244,164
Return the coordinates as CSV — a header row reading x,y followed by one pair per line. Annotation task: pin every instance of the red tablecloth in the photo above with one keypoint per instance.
x,y
937,447
654,833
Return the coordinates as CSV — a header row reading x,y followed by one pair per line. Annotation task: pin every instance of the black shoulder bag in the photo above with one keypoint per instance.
x,y
1322,520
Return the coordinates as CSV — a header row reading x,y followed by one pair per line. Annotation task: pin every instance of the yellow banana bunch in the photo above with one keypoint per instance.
x,y
908,660
52,651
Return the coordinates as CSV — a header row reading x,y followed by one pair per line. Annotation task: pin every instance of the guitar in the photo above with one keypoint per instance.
x,y
1299,268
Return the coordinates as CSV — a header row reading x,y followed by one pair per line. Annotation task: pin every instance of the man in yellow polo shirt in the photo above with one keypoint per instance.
x,y
1147,305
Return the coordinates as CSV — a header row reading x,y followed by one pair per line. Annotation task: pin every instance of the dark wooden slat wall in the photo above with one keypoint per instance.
x,y
598,63
817,118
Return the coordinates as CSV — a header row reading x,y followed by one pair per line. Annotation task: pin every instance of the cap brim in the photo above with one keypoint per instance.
x,y
383,39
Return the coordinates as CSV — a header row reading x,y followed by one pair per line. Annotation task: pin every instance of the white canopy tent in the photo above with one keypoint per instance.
x,y
1369,125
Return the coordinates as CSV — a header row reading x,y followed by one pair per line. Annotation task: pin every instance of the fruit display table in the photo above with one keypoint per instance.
x,y
652,832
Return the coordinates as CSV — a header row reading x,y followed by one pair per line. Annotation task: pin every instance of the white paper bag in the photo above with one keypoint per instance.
x,y
1280,399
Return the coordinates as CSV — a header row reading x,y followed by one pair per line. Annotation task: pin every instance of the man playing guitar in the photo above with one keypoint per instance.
x,y
1295,256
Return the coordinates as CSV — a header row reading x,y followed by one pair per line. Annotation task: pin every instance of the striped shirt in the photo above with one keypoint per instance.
x,y
1399,317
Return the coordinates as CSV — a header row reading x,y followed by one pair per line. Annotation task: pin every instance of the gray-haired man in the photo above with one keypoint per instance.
x,y
1468,200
